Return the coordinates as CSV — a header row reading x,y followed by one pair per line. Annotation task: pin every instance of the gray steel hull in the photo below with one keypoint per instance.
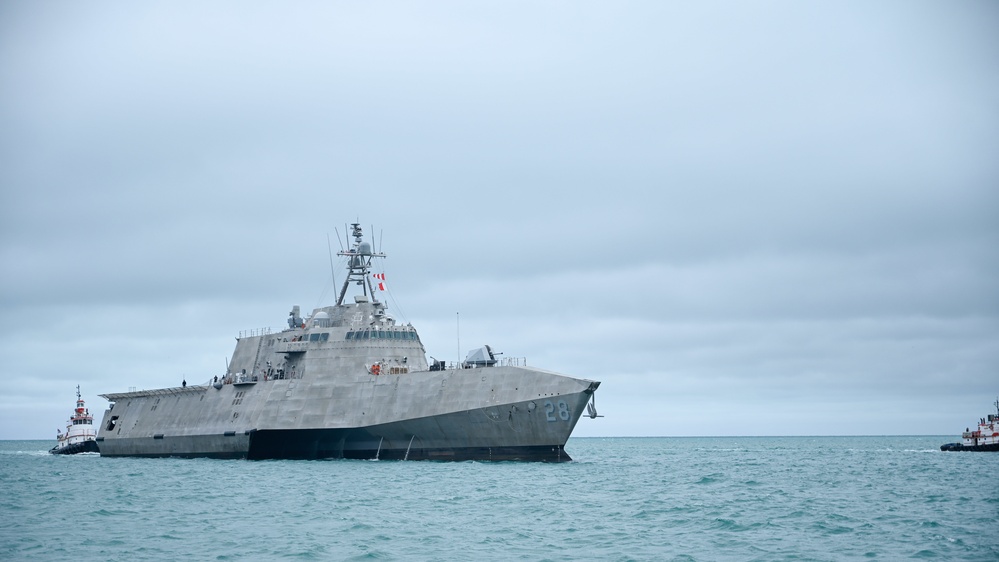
x,y
531,430
316,444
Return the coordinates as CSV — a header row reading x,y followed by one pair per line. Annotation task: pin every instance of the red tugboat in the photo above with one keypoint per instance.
x,y
80,436
985,438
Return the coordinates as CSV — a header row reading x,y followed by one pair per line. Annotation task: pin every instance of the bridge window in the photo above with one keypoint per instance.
x,y
378,335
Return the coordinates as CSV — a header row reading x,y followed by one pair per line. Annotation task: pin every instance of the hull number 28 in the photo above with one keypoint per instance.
x,y
550,411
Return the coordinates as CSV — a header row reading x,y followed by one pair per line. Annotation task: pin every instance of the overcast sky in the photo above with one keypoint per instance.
x,y
743,218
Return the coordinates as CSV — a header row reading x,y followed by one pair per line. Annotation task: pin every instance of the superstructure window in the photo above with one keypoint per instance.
x,y
380,334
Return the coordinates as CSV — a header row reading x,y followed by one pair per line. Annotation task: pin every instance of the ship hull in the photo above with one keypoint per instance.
x,y
325,444
318,444
371,443
974,448
88,446
522,431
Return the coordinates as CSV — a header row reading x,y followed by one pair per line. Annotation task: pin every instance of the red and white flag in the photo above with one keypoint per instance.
x,y
378,276
381,286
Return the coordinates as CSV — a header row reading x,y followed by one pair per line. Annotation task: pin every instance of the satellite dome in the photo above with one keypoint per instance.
x,y
321,319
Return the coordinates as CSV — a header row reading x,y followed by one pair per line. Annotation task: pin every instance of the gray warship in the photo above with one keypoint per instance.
x,y
348,382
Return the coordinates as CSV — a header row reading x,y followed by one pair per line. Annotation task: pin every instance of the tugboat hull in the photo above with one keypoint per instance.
x,y
976,448
89,446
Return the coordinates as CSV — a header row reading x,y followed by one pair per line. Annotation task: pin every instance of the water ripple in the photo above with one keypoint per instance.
x,y
624,499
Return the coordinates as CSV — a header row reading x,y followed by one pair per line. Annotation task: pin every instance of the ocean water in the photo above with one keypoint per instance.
x,y
741,498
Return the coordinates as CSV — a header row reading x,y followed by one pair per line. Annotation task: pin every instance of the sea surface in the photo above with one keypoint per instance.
x,y
738,498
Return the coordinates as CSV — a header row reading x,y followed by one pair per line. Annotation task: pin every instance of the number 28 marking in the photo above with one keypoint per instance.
x,y
563,411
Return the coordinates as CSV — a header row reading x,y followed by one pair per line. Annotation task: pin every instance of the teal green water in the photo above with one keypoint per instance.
x,y
743,498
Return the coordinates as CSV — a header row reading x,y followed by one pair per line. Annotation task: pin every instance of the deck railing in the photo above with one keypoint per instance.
x,y
254,332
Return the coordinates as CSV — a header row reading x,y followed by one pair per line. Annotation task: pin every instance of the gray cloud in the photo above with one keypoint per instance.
x,y
779,212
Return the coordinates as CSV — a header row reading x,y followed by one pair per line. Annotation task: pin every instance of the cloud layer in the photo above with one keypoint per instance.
x,y
743,219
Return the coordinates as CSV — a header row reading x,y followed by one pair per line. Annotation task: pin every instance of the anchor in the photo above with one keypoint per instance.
x,y
591,407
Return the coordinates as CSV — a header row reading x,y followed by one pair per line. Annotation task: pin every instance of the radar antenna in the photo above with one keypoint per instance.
x,y
359,258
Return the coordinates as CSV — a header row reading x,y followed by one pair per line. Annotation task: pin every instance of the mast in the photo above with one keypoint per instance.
x,y
359,258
